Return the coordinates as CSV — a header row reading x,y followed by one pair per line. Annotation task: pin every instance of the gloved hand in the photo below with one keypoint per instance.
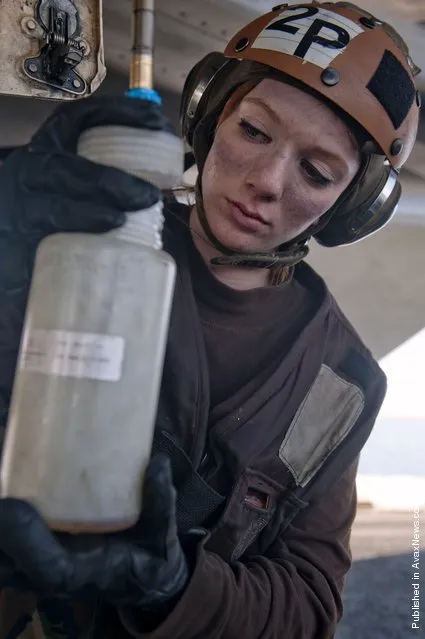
x,y
144,567
46,188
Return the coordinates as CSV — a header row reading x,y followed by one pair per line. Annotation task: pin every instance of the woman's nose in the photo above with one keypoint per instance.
x,y
270,175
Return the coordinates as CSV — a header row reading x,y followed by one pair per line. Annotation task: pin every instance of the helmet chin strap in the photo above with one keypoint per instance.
x,y
289,257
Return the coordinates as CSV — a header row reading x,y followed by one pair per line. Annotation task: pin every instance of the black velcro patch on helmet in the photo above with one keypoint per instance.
x,y
394,89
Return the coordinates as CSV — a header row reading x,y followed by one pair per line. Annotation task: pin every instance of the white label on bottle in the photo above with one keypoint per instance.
x,y
71,354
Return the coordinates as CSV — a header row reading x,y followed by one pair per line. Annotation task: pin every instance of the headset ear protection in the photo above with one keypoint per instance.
x,y
206,76
366,206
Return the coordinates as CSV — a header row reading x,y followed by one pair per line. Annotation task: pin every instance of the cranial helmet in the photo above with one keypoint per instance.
x,y
359,66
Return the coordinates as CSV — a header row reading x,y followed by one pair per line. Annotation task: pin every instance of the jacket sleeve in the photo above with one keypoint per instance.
x,y
294,591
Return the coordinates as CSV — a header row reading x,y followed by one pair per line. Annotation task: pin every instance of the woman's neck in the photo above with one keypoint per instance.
x,y
236,277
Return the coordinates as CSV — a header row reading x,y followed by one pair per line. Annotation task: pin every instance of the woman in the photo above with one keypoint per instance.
x,y
268,394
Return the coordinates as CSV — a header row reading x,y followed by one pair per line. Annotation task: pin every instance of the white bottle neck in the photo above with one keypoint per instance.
x,y
143,227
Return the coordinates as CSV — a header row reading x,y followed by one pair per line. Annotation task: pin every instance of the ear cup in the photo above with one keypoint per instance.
x,y
197,88
365,207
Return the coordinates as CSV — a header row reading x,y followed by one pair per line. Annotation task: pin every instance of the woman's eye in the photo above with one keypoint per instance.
x,y
314,175
252,132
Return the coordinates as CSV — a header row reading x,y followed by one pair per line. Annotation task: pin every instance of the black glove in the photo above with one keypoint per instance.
x,y
46,188
144,567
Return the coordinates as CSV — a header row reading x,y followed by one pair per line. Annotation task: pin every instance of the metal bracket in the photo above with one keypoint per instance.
x,y
61,52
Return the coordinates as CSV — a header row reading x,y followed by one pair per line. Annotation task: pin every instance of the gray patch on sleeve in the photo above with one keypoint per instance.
x,y
325,417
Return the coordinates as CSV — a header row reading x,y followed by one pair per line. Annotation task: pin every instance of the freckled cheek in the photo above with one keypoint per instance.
x,y
300,208
231,156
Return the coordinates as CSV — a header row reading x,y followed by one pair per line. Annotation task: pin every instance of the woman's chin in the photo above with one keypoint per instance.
x,y
238,241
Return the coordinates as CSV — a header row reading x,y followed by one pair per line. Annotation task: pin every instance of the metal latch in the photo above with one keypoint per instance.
x,y
62,49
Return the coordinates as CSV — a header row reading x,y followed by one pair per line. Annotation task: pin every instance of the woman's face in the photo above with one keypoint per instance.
x,y
277,164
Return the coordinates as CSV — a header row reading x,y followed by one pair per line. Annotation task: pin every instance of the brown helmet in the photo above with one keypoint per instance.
x,y
344,56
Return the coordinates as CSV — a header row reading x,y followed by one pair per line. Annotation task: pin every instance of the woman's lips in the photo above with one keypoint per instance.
x,y
246,218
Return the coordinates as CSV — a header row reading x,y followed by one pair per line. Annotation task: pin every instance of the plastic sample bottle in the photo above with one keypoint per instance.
x,y
85,396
